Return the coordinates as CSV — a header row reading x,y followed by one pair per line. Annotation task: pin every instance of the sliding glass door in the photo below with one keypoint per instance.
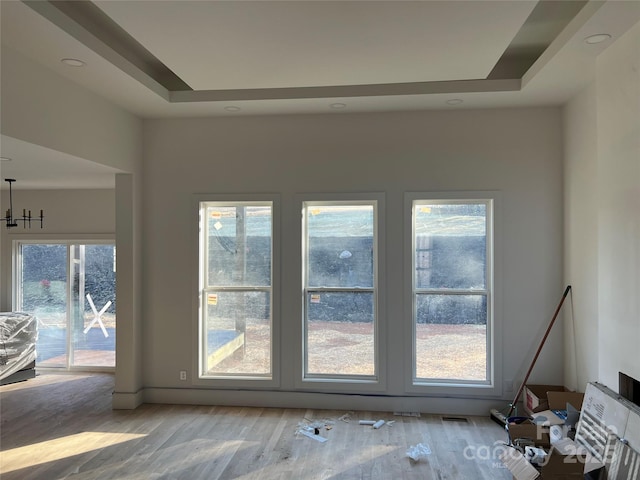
x,y
70,288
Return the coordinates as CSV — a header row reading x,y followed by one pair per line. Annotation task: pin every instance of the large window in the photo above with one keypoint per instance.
x,y
452,290
70,288
340,289
236,289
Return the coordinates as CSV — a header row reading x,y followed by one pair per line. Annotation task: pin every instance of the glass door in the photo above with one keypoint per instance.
x,y
70,288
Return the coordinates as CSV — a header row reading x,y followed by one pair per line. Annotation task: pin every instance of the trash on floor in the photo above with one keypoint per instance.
x,y
346,417
311,432
418,452
313,435
378,424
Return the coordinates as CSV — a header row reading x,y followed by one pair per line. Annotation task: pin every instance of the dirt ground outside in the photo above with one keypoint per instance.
x,y
346,348
443,352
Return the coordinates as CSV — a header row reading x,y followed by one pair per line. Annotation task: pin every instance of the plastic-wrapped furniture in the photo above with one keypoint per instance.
x,y
18,335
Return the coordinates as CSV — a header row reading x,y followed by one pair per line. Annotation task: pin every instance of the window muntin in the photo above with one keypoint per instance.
x,y
451,263
340,289
236,289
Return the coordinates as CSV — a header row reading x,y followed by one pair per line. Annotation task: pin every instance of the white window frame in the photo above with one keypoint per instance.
x,y
491,386
347,383
229,380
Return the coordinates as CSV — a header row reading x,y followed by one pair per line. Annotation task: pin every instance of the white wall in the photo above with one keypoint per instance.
x,y
68,213
128,207
618,100
581,240
602,170
516,151
43,108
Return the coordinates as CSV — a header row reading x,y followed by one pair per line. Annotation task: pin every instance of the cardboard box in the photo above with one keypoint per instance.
x,y
535,397
556,466
539,435
559,400
519,466
549,397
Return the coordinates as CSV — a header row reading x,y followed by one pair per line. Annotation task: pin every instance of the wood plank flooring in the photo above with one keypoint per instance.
x,y
62,426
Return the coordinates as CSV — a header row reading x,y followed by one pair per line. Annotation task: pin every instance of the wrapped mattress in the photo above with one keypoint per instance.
x,y
18,334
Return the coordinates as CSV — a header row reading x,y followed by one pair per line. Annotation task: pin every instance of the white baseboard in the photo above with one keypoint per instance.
x,y
325,401
126,401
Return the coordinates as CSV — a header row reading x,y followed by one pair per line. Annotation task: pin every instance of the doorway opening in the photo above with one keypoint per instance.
x,y
70,289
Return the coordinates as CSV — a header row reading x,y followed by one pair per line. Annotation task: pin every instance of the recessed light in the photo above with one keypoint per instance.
x,y
6,159
232,108
73,62
338,106
598,38
454,101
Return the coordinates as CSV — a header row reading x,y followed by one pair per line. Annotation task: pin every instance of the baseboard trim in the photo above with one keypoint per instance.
x,y
329,401
127,401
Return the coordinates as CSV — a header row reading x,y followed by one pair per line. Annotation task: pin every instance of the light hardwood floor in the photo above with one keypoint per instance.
x,y
62,426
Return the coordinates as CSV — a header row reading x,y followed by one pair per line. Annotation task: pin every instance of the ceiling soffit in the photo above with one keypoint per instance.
x,y
89,24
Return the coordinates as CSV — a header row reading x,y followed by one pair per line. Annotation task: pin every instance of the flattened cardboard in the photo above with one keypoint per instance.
x,y
606,417
632,432
605,407
625,463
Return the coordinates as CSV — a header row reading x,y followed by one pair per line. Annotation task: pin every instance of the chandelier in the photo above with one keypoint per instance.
x,y
12,221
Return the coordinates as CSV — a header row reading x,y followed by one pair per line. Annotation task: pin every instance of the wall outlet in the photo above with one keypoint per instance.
x,y
183,374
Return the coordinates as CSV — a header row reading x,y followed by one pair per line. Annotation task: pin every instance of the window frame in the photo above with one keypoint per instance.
x,y
345,383
20,239
491,386
229,380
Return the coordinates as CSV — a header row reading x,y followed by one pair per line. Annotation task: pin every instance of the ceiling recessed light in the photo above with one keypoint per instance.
x,y
232,108
73,62
454,101
598,38
6,159
338,106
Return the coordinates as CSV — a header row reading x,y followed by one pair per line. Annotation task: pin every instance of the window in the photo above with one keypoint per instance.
x,y
340,289
70,288
452,290
236,298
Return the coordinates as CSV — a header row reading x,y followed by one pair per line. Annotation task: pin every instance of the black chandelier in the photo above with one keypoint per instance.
x,y
26,218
